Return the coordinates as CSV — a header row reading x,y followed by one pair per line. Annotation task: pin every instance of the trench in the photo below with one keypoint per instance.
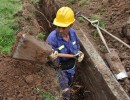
x,y
93,79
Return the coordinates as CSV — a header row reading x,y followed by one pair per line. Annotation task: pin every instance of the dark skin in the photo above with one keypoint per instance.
x,y
64,32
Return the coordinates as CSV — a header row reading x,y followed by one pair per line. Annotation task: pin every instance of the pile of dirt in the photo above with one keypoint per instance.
x,y
22,80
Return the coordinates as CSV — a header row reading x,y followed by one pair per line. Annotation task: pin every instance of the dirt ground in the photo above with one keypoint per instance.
x,y
115,14
24,80
21,80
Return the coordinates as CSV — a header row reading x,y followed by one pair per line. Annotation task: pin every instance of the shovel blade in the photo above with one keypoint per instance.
x,y
32,49
116,64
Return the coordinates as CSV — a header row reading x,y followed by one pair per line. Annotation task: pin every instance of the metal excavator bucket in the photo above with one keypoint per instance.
x,y
32,49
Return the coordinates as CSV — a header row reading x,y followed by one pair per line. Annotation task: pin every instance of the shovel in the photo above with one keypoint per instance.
x,y
31,49
113,59
112,56
116,38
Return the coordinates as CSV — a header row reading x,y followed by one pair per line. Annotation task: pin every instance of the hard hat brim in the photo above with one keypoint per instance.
x,y
56,23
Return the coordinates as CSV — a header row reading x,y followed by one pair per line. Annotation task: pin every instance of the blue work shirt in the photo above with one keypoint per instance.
x,y
62,46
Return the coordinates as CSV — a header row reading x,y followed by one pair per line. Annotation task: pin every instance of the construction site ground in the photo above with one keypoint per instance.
x,y
24,80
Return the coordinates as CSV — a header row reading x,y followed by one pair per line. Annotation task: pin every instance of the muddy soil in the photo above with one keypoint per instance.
x,y
21,80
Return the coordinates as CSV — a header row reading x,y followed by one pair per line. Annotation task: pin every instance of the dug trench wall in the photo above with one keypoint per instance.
x,y
96,76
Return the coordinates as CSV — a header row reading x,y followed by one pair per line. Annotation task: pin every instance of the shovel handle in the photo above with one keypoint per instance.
x,y
107,32
102,38
115,37
65,55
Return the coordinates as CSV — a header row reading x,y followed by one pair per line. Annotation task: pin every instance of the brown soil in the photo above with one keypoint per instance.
x,y
115,13
24,80
20,79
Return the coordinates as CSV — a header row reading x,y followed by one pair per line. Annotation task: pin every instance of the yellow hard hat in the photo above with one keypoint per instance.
x,y
64,17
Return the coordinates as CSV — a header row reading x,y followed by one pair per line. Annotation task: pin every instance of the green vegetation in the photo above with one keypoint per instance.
x,y
81,19
101,23
99,18
95,34
41,36
8,24
46,95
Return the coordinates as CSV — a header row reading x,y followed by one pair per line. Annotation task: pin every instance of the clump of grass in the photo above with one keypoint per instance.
x,y
46,95
83,2
41,36
8,24
81,19
99,18
95,34
101,23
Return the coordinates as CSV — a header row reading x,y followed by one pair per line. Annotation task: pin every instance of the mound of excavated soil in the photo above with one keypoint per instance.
x,y
24,80
21,80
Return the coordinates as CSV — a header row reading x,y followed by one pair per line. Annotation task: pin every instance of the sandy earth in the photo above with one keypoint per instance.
x,y
20,79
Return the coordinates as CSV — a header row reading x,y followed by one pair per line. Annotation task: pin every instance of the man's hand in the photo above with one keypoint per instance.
x,y
53,55
79,56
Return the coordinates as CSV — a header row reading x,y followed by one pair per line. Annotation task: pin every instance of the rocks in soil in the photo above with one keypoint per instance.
x,y
29,79
33,79
125,32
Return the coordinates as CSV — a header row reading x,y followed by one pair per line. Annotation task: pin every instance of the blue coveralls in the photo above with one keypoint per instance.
x,y
67,47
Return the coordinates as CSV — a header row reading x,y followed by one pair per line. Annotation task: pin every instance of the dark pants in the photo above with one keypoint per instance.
x,y
65,80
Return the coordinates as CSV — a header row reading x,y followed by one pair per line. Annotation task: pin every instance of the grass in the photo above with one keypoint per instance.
x,y
99,18
8,24
41,36
81,19
101,23
45,94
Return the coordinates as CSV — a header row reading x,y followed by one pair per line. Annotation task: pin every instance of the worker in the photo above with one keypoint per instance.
x,y
64,40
